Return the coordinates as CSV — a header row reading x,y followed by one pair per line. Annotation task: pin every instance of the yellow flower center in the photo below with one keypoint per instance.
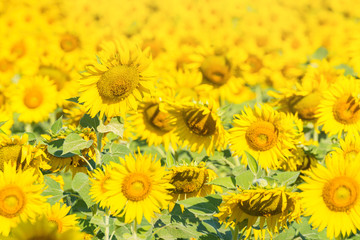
x,y
261,204
33,98
346,110
261,136
216,70
255,63
10,153
136,186
306,106
69,42
5,65
59,77
158,119
12,201
340,194
189,180
198,123
117,83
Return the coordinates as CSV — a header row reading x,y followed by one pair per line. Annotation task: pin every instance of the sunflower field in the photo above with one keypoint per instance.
x,y
179,119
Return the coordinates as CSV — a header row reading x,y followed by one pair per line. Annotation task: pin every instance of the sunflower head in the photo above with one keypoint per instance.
x,y
216,70
118,82
277,207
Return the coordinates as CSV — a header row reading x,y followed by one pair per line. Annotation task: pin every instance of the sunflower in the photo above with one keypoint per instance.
x,y
300,160
349,148
98,179
152,123
276,207
15,150
331,196
191,181
118,82
339,110
20,197
265,134
198,126
58,215
137,187
42,229
34,99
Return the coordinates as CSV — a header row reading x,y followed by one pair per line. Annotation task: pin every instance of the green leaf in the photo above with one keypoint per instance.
x,y
227,182
320,53
245,179
56,148
177,230
74,143
286,178
252,163
200,205
74,99
170,161
119,150
57,125
107,158
53,190
114,126
81,185
87,121
286,234
31,137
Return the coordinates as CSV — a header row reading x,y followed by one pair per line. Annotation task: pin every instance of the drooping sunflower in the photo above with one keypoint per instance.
x,y
191,181
59,215
42,229
339,110
24,156
34,99
20,197
331,196
198,126
116,84
137,187
265,134
299,160
276,207
152,123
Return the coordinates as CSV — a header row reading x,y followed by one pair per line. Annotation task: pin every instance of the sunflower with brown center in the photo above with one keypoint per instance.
x,y
276,207
339,109
191,181
265,134
299,161
138,187
118,82
198,126
331,196
20,197
152,123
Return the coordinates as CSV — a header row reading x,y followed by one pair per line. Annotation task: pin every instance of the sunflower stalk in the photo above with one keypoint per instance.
x,y
87,162
107,227
235,232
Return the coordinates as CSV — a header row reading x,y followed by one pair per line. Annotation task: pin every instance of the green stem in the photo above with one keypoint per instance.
x,y
258,94
87,162
316,135
135,230
107,229
235,232
28,127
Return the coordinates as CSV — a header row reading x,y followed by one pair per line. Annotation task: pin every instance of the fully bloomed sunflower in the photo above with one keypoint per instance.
x,y
118,81
151,122
349,148
34,99
265,134
331,196
198,126
276,207
20,197
339,110
137,187
59,215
